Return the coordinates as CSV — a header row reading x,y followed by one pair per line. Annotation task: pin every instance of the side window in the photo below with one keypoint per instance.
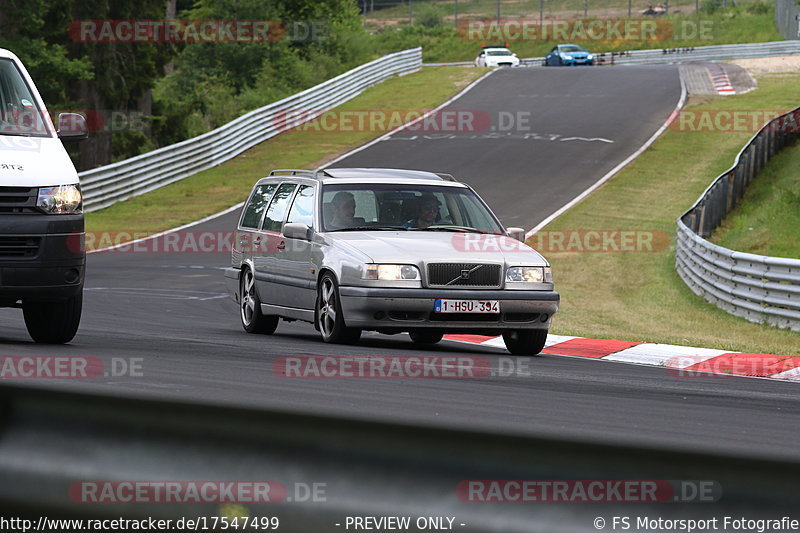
x,y
255,207
273,221
303,207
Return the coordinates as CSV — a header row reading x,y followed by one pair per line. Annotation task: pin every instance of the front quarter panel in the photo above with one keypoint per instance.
x,y
344,260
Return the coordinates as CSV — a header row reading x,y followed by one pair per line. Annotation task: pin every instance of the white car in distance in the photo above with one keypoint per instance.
x,y
496,56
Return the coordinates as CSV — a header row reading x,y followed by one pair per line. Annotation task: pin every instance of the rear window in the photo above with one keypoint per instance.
x,y
256,206
273,221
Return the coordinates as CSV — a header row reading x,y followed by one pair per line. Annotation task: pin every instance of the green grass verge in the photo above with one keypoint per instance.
x,y
638,296
220,187
767,220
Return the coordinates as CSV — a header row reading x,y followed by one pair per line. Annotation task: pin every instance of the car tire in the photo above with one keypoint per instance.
x,y
53,322
330,319
250,307
426,336
525,341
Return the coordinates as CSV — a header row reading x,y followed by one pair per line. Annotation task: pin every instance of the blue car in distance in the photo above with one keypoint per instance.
x,y
569,55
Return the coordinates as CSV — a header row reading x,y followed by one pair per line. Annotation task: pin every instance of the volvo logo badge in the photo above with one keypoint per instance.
x,y
465,274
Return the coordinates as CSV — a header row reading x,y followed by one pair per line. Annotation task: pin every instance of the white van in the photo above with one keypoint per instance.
x,y
42,257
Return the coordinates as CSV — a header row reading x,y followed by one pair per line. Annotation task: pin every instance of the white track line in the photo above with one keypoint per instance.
x,y
616,169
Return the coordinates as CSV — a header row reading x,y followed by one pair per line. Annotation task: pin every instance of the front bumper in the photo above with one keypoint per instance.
x,y
42,257
409,309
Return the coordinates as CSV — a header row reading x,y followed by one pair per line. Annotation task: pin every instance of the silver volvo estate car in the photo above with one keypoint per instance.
x,y
387,250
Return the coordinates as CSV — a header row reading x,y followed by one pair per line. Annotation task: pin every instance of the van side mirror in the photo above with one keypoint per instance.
x,y
72,127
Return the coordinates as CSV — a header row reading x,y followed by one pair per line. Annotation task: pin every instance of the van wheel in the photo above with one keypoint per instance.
x,y
53,322
330,319
250,307
525,341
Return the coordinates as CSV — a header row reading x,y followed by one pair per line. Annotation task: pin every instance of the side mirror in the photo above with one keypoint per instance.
x,y
72,127
517,233
296,230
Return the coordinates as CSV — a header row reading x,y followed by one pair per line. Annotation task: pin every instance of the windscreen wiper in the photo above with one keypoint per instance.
x,y
459,229
372,228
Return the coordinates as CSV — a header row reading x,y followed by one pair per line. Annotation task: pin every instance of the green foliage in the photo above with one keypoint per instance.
x,y
759,8
213,83
429,16
33,30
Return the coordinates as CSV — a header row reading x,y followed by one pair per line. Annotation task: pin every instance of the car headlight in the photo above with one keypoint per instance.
x,y
589,56
531,274
391,272
60,199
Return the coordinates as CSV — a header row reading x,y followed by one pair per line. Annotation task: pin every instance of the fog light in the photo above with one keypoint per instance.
x,y
72,275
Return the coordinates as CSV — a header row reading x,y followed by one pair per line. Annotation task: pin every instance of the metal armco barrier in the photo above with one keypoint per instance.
x,y
708,53
672,55
758,288
119,181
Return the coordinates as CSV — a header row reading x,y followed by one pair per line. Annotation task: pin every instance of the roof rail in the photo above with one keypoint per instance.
x,y
321,173
290,172
446,177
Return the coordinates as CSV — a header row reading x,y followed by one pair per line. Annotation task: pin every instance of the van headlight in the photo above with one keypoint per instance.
x,y
391,272
60,199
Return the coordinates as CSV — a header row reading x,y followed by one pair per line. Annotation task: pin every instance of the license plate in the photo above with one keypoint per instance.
x,y
466,306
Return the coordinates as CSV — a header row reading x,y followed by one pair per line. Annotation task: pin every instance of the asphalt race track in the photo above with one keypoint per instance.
x,y
169,313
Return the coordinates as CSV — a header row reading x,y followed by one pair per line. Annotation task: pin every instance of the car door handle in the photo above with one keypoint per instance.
x,y
257,240
281,245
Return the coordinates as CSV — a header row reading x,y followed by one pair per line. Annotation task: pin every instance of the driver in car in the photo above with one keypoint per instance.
x,y
344,205
427,212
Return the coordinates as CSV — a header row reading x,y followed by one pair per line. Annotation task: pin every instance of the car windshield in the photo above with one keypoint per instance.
x,y
572,48
499,52
349,207
19,114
